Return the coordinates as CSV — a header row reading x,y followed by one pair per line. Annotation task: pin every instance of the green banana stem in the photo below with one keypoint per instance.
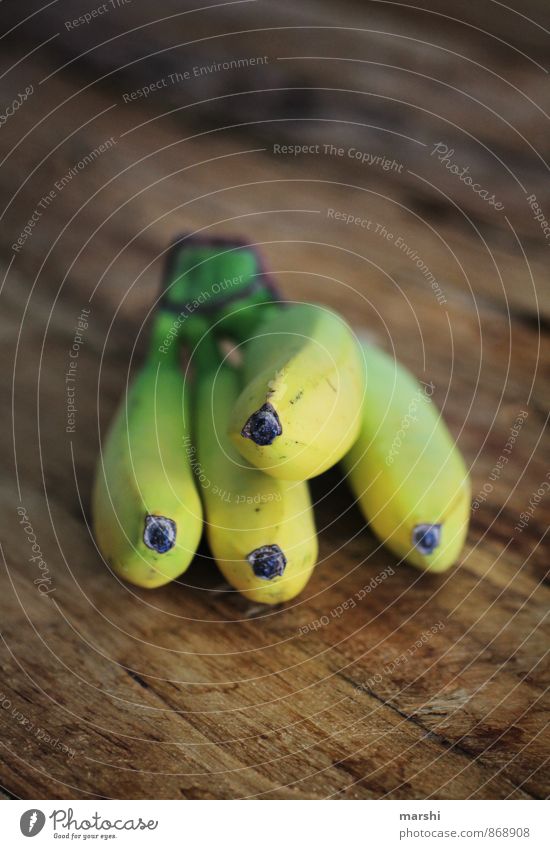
x,y
241,320
211,272
206,356
220,280
165,338
169,332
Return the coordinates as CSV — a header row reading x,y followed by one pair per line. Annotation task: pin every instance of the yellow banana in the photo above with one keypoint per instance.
x,y
147,514
405,469
299,411
260,530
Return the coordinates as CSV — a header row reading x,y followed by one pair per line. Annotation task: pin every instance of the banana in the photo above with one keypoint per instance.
x,y
147,514
405,469
260,530
300,410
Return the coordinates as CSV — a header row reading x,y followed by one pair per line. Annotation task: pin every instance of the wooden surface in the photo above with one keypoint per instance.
x,y
427,687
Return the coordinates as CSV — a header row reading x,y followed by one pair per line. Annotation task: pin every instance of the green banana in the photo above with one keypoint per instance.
x,y
260,530
147,514
405,469
299,411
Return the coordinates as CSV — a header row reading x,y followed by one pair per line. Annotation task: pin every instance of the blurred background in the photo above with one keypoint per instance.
x,y
389,161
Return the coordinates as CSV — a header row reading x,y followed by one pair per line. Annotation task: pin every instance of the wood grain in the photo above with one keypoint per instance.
x,y
189,691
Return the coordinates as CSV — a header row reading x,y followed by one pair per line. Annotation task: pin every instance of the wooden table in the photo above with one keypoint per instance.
x,y
430,686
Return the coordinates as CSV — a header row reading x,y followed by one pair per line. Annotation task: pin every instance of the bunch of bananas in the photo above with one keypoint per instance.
x,y
231,438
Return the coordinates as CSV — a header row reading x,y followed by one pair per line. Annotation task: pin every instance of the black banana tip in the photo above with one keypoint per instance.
x,y
267,562
426,538
159,533
263,427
